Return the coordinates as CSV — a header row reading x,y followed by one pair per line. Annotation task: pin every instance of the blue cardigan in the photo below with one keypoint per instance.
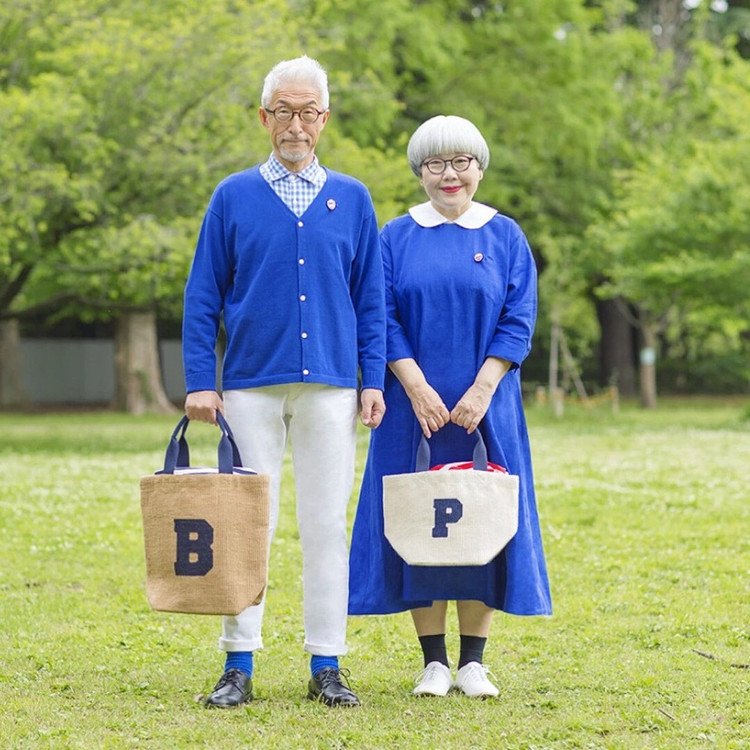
x,y
302,298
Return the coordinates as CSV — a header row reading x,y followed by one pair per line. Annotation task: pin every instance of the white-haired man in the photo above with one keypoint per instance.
x,y
288,258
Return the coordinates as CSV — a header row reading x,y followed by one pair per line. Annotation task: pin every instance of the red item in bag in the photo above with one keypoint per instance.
x,y
468,465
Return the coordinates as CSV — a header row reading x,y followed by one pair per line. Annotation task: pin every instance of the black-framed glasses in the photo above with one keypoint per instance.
x,y
308,115
436,165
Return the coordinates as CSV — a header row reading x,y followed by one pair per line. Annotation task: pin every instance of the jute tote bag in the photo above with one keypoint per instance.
x,y
446,517
205,531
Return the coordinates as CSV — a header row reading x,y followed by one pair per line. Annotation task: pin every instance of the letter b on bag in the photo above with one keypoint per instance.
x,y
447,510
195,556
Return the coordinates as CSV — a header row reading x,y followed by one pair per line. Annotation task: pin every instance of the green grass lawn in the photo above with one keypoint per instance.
x,y
646,523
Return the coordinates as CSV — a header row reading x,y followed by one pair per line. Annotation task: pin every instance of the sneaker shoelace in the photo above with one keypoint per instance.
x,y
428,673
483,670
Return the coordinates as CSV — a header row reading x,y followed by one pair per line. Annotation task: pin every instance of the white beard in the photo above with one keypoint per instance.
x,y
293,156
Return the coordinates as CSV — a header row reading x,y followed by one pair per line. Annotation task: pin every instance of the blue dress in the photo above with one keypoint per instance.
x,y
454,296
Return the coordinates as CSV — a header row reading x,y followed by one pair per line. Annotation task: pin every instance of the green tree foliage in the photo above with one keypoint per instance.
x,y
676,242
384,61
678,245
618,133
117,120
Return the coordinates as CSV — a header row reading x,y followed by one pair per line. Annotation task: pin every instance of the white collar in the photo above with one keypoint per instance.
x,y
476,216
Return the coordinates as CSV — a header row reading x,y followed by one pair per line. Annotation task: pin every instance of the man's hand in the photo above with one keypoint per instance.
x,y
372,407
203,405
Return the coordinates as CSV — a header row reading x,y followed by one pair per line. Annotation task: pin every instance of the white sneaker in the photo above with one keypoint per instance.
x,y
434,680
472,680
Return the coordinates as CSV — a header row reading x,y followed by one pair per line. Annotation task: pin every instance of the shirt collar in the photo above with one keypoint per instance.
x,y
476,216
312,173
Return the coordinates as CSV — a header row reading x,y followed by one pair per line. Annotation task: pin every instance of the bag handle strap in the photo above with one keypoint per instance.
x,y
480,454
177,455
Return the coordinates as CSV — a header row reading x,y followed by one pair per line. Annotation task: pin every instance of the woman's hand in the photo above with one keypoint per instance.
x,y
473,405
429,409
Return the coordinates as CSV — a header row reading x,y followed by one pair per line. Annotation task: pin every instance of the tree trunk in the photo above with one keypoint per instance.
x,y
12,391
617,348
648,365
139,387
556,395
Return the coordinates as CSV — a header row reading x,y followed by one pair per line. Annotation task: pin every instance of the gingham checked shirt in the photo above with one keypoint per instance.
x,y
296,189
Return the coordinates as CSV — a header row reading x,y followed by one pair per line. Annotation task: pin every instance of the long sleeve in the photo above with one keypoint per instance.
x,y
203,303
515,326
398,346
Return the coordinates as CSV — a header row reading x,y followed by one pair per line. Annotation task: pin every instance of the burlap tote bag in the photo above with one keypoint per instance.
x,y
447,517
205,531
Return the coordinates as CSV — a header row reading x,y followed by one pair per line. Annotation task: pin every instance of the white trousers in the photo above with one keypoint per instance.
x,y
321,422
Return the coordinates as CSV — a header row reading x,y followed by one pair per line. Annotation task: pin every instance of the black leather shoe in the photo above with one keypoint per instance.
x,y
233,688
326,686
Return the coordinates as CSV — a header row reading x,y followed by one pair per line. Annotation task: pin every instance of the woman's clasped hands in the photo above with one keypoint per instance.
x,y
432,413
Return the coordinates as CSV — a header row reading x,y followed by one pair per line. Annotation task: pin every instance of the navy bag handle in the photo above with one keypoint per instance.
x,y
178,453
480,454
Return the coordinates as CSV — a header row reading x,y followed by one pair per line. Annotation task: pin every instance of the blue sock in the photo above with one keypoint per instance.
x,y
321,662
242,660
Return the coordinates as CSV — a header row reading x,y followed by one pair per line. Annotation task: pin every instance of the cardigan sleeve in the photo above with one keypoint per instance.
x,y
205,289
367,298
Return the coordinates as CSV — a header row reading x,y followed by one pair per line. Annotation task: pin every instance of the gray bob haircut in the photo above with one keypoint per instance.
x,y
303,69
446,134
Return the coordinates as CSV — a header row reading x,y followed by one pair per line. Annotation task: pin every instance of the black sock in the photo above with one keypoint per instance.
x,y
472,649
433,648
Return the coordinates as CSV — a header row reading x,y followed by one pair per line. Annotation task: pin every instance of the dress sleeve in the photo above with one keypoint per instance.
x,y
515,326
398,346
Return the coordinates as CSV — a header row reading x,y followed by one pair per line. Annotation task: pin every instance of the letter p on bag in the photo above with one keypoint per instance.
x,y
447,510
195,556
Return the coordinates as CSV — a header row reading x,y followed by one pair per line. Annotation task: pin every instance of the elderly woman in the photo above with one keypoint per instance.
x,y
461,303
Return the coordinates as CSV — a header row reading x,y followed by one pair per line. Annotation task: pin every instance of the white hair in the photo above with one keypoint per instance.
x,y
299,69
446,134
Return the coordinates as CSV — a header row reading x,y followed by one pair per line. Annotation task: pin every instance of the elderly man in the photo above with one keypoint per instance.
x,y
288,257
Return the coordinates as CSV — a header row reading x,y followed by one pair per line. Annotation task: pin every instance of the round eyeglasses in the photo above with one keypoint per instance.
x,y
308,115
436,165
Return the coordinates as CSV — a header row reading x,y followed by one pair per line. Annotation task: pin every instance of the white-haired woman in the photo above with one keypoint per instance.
x,y
461,304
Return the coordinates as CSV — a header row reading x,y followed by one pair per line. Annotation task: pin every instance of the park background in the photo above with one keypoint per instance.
x,y
619,134
619,139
